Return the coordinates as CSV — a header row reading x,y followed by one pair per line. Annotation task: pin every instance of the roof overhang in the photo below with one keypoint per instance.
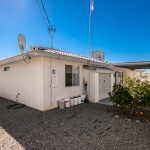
x,y
15,58
134,65
105,71
64,57
34,53
101,70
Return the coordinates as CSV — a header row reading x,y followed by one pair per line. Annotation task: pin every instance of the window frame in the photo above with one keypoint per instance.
x,y
72,75
6,68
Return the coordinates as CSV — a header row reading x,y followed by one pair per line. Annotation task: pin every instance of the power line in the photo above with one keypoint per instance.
x,y
41,13
45,12
51,28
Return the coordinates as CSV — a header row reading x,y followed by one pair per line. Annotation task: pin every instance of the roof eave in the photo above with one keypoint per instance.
x,y
17,58
136,65
34,53
69,58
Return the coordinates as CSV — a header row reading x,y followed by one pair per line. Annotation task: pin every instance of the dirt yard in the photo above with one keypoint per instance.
x,y
82,127
140,114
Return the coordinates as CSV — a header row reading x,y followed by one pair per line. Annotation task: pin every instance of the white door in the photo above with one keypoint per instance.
x,y
107,84
104,85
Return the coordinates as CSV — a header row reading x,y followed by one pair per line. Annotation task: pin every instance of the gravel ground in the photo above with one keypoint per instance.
x,y
83,127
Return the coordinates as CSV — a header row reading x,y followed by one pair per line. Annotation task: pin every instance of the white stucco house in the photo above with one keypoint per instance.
x,y
52,75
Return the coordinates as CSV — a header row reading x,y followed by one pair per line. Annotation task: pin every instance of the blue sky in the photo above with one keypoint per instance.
x,y
120,28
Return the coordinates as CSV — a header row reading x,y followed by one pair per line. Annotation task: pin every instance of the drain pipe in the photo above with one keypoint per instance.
x,y
51,90
17,97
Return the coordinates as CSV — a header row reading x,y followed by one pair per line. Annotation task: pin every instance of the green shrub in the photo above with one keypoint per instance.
x,y
132,93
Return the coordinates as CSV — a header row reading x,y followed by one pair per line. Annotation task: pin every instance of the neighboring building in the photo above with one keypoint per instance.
x,y
52,75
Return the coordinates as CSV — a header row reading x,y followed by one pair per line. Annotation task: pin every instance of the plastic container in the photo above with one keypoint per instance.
x,y
67,102
82,100
82,96
61,104
71,101
75,101
79,100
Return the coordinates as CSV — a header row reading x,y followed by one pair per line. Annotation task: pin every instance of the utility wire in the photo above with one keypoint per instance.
x,y
41,13
45,12
50,28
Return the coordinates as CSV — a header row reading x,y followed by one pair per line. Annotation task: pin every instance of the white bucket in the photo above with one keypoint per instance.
x,y
66,98
82,96
79,100
82,100
61,104
75,101
67,102
71,101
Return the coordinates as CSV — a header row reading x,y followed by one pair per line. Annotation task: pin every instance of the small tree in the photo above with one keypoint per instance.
x,y
132,93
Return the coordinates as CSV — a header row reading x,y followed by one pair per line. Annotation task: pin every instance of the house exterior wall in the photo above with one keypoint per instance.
x,y
94,81
94,85
61,91
25,79
33,82
126,73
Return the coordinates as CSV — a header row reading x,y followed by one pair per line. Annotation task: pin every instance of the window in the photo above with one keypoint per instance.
x,y
75,76
121,77
6,68
120,74
68,76
71,75
114,74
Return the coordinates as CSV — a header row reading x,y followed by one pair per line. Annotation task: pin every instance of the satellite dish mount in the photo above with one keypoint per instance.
x,y
22,46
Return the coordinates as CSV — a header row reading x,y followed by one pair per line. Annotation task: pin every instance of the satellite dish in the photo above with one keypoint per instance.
x,y
21,42
22,46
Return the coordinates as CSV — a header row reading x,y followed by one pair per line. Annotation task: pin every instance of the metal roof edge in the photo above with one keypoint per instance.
x,y
69,58
16,58
34,53
132,63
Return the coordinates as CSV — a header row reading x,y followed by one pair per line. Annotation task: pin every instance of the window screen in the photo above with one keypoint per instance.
x,y
75,76
68,75
120,74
